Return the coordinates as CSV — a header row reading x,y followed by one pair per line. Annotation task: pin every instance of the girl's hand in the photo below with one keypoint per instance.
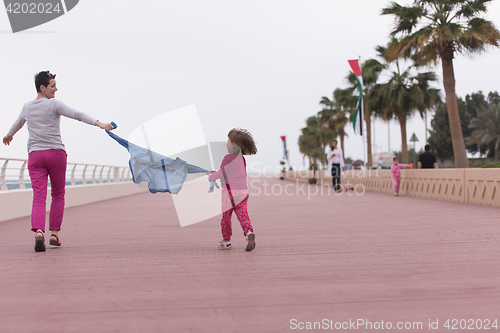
x,y
209,173
7,139
102,125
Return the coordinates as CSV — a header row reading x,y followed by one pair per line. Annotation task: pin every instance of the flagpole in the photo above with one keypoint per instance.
x,y
363,140
362,121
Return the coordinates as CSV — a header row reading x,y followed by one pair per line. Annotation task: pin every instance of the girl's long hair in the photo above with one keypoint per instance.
x,y
243,140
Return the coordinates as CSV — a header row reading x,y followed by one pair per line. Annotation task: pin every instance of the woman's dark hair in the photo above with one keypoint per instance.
x,y
43,78
244,140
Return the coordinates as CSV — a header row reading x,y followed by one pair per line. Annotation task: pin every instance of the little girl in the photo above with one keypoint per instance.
x,y
396,173
233,177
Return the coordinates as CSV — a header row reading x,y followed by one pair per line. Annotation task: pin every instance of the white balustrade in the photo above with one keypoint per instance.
x,y
12,174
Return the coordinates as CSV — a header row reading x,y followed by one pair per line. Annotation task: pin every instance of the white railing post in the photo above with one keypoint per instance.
x,y
83,175
109,174
3,185
73,175
21,176
93,175
116,174
100,174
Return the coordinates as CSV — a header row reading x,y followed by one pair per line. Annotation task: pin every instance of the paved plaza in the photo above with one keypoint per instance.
x,y
126,265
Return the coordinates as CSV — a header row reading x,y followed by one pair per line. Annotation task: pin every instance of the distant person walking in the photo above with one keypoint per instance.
x,y
396,173
427,160
335,160
233,175
47,155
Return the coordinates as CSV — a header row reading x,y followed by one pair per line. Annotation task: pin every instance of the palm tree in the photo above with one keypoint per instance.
x,y
401,96
370,71
323,132
436,29
314,138
306,146
487,127
335,114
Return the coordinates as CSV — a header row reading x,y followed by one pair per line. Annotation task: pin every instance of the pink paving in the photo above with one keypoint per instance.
x,y
126,265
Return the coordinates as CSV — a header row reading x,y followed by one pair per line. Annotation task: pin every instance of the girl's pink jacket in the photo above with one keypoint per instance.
x,y
234,168
396,170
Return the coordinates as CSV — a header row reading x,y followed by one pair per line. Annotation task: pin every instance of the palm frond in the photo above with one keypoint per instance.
x,y
486,125
406,17
448,26
471,8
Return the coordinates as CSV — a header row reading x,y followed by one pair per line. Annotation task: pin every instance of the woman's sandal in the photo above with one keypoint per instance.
x,y
56,241
224,245
39,242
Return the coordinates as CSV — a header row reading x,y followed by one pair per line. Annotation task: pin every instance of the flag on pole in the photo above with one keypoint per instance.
x,y
358,116
285,152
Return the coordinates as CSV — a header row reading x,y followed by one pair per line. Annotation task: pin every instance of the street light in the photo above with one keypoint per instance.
x,y
414,139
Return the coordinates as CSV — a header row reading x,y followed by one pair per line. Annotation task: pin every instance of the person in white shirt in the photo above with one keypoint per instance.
x,y
335,160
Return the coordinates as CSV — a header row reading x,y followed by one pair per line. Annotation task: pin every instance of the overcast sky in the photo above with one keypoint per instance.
x,y
260,65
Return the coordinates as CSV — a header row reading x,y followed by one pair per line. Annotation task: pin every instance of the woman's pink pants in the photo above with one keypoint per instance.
x,y
41,165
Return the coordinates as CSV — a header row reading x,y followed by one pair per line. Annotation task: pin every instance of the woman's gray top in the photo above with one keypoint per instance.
x,y
43,117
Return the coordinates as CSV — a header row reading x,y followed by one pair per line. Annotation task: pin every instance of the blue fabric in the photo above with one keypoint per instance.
x,y
163,174
213,184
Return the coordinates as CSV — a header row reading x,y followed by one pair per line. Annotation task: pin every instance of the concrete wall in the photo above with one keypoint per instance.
x,y
17,203
474,185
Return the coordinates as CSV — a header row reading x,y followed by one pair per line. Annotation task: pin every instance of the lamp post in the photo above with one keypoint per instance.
x,y
414,139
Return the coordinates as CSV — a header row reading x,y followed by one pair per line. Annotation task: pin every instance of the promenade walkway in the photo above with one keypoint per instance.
x,y
125,265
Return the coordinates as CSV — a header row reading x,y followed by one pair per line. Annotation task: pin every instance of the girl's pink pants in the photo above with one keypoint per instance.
x,y
43,164
396,182
237,201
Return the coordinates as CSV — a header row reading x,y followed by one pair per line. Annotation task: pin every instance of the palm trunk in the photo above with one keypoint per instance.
x,y
368,137
457,138
323,156
404,143
342,135
497,147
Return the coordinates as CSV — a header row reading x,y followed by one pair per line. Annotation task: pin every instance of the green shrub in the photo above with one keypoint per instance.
x,y
486,165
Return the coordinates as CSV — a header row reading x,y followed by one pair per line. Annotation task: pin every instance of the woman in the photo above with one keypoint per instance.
x,y
47,155
335,160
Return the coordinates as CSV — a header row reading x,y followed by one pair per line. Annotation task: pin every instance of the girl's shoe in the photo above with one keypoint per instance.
x,y
224,245
250,241
54,240
396,194
39,242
